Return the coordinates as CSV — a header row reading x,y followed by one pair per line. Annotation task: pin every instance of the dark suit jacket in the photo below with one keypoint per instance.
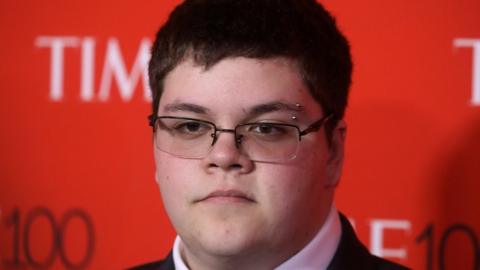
x,y
350,255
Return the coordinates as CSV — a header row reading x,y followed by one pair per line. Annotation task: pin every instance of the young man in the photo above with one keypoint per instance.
x,y
248,102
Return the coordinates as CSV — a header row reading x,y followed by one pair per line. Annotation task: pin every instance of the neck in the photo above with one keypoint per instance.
x,y
261,258
258,256
254,260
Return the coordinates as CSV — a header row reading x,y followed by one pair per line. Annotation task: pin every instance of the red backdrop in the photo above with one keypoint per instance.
x,y
77,183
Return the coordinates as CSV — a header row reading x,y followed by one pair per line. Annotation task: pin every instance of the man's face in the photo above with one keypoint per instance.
x,y
226,204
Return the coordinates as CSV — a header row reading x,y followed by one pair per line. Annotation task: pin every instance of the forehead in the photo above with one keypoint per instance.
x,y
234,85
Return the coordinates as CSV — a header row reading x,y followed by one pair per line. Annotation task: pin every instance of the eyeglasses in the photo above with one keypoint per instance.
x,y
261,141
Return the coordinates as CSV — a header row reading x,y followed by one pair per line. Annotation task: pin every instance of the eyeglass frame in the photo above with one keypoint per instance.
x,y
314,127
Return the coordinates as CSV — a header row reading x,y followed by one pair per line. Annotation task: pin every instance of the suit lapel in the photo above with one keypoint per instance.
x,y
351,253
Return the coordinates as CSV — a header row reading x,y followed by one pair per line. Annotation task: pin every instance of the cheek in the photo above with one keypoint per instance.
x,y
296,187
174,178
285,188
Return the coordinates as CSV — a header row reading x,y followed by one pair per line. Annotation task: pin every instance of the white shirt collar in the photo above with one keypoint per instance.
x,y
177,258
316,255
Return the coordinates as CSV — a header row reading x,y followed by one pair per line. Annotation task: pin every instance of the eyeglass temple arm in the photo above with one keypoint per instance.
x,y
151,120
315,126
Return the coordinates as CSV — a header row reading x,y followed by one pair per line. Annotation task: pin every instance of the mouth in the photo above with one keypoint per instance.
x,y
227,196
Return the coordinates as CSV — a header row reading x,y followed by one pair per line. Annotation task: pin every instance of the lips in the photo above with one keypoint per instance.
x,y
227,196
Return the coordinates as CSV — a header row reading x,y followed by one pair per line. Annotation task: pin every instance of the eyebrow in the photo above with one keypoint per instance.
x,y
273,107
252,112
186,107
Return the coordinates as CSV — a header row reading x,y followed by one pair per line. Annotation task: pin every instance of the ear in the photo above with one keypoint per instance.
x,y
155,158
156,177
336,154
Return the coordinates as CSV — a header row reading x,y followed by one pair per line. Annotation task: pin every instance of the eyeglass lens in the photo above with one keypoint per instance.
x,y
188,138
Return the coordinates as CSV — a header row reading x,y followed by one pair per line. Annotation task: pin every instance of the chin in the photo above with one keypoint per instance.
x,y
229,238
230,246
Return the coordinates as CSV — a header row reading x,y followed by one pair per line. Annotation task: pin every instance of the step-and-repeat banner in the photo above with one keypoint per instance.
x,y
77,188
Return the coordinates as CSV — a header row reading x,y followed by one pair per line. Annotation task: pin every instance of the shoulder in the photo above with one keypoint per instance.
x,y
165,264
352,254
382,264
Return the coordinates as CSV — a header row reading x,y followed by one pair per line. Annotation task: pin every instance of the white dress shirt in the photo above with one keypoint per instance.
x,y
316,255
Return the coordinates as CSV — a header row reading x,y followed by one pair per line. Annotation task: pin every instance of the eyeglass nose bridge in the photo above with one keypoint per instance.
x,y
238,138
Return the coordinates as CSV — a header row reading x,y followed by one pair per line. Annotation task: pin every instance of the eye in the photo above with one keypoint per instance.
x,y
263,132
192,127
265,129
189,127
268,129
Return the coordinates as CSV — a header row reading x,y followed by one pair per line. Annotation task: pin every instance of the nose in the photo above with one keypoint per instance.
x,y
226,153
238,139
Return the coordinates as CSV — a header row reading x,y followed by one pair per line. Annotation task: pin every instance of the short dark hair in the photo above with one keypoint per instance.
x,y
208,31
